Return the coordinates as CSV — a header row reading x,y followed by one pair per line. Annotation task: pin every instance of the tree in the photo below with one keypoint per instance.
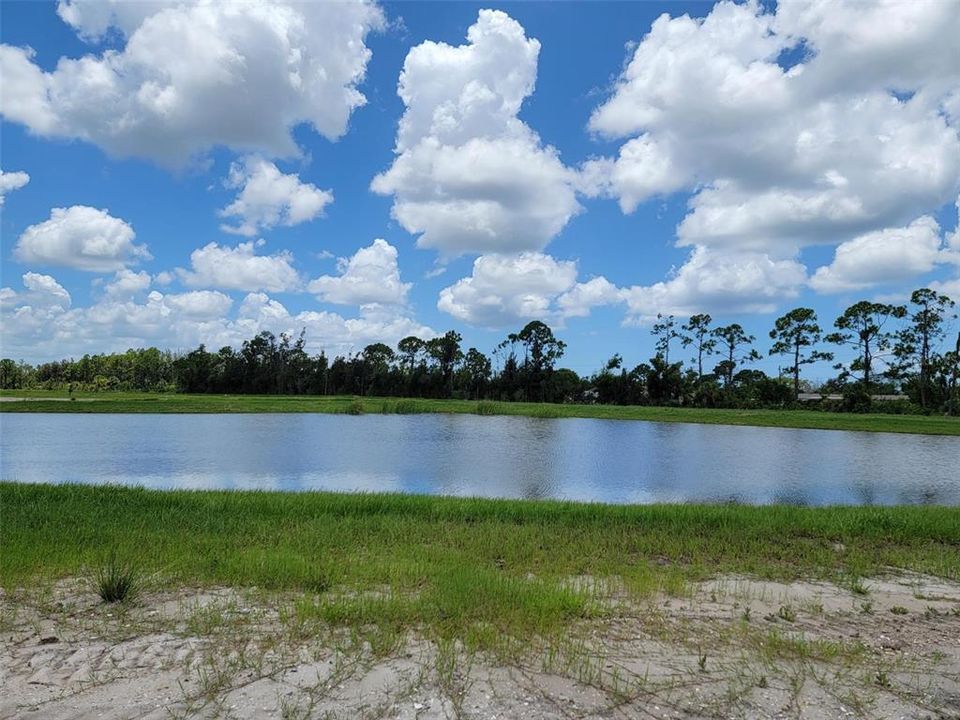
x,y
862,326
731,338
477,366
376,362
795,333
915,342
410,348
665,330
445,350
541,350
700,336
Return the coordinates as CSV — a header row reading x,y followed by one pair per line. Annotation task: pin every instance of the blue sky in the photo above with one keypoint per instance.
x,y
582,163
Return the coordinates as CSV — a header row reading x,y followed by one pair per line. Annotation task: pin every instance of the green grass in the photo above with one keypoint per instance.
x,y
472,569
129,402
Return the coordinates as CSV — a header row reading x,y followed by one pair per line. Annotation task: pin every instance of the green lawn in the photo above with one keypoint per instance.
x,y
179,403
465,568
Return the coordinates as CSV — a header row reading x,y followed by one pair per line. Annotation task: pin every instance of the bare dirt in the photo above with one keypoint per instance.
x,y
730,648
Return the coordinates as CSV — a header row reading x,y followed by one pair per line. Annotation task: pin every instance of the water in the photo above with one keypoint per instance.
x,y
603,460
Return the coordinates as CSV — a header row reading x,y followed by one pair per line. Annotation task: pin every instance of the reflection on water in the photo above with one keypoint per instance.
x,y
602,460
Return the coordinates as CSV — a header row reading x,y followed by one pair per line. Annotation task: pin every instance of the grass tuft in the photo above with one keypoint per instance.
x,y
117,582
486,407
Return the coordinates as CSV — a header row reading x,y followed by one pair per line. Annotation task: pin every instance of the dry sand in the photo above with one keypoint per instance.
x,y
804,650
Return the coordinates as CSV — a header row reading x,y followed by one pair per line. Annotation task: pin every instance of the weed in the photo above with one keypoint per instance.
x,y
787,613
858,587
881,678
866,607
355,407
702,661
746,614
899,610
762,682
116,581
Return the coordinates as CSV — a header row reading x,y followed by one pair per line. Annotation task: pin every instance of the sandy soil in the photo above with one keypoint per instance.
x,y
802,650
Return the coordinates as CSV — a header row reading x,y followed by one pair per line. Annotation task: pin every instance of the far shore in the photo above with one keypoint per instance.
x,y
139,402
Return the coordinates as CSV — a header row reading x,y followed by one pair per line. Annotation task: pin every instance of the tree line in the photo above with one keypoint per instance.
x,y
889,348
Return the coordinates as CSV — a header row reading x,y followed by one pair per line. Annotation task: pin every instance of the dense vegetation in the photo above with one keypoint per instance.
x,y
462,566
891,349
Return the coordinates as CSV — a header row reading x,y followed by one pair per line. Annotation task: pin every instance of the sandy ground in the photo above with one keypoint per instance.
x,y
730,648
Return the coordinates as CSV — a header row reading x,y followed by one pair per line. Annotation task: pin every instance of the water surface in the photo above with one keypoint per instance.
x,y
515,457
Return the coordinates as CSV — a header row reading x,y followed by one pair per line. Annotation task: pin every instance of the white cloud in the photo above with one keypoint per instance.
x,y
718,282
200,304
855,131
127,283
371,275
42,291
10,181
38,325
579,300
192,76
883,256
269,197
80,237
240,268
506,289
469,175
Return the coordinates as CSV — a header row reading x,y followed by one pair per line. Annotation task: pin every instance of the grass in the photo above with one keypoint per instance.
x,y
130,402
116,582
474,570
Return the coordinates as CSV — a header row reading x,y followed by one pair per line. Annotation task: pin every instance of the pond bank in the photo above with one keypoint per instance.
x,y
261,604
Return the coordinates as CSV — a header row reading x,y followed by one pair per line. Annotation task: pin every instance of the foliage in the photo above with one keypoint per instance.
x,y
796,335
524,366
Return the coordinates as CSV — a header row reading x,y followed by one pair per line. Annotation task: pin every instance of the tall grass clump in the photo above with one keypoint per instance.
x,y
404,407
116,581
486,407
355,407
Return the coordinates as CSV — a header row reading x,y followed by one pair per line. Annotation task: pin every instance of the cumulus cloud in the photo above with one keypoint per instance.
x,y
200,304
370,275
192,76
10,181
884,256
38,324
269,198
127,283
718,282
503,290
469,175
240,268
41,291
80,237
813,124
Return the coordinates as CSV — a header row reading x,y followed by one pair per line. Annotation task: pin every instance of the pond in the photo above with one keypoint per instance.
x,y
513,457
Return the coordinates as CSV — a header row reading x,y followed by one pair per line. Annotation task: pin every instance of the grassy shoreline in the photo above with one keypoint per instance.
x,y
130,402
452,562
314,598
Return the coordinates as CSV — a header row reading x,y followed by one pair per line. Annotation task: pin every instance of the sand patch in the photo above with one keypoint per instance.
x,y
734,647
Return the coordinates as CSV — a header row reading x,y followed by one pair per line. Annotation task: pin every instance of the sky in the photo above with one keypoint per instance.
x,y
184,173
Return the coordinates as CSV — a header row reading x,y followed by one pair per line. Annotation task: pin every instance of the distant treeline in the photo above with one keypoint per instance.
x,y
889,349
